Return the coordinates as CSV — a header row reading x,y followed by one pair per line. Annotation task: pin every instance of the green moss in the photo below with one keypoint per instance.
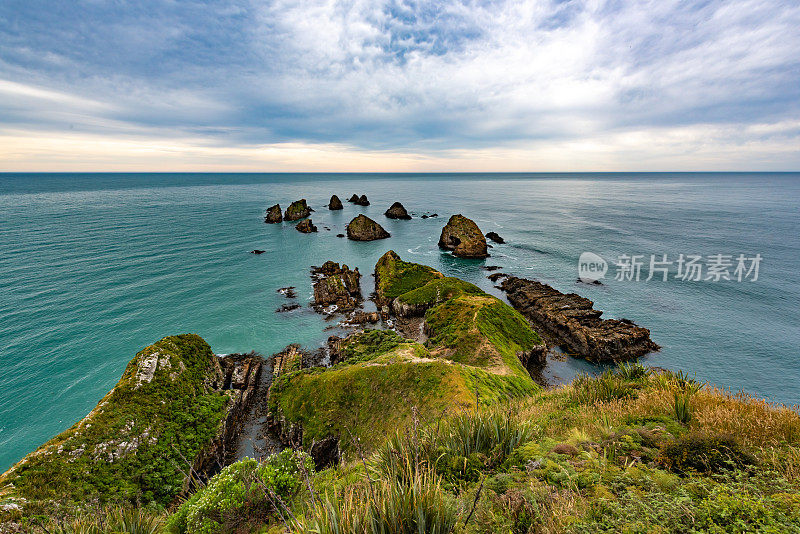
x,y
133,444
393,276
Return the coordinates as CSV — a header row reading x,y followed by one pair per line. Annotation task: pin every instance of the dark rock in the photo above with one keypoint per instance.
x,y
340,235
362,201
497,276
424,217
257,251
397,211
287,307
335,203
288,292
353,199
494,237
575,324
306,226
362,317
593,282
490,267
463,237
325,452
362,228
435,215
336,285
297,210
273,214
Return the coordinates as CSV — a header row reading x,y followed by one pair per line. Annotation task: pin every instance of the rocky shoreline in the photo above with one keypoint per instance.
x,y
575,324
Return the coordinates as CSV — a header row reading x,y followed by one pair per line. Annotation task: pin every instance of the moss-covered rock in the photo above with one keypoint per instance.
x,y
393,276
273,214
463,237
134,446
362,228
297,210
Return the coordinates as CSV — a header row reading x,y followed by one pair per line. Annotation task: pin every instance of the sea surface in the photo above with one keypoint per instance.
x,y
94,267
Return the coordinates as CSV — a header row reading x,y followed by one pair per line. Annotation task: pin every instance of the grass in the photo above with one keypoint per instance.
x,y
439,290
393,276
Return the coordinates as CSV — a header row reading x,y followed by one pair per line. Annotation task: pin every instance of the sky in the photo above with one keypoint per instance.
x,y
399,85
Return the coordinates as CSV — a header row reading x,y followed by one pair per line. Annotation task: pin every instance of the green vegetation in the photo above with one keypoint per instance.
x,y
437,291
133,446
243,495
393,276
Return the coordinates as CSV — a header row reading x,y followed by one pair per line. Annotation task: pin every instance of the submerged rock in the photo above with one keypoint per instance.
x,y
463,237
306,227
397,211
287,307
335,203
273,214
257,251
340,235
353,199
362,201
496,238
362,228
297,210
335,285
574,322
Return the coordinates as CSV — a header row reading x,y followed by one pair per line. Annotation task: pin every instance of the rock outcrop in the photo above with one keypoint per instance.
x,y
495,237
297,210
463,237
574,323
362,228
397,211
362,201
353,199
335,203
306,226
273,214
336,285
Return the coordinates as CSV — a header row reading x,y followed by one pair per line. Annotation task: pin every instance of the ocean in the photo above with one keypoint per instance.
x,y
94,267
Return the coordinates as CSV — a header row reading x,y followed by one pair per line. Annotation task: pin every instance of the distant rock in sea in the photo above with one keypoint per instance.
x,y
362,228
463,237
306,226
297,210
335,203
496,238
273,214
397,211
362,201
257,251
353,199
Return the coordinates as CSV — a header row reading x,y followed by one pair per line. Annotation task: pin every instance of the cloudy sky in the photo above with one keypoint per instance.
x,y
399,85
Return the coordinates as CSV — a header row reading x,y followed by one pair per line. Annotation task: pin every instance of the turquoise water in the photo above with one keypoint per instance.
x,y
93,267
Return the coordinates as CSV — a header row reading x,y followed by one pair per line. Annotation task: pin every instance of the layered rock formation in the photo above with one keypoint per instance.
x,y
463,237
335,203
575,324
336,285
362,228
297,210
397,211
306,227
273,214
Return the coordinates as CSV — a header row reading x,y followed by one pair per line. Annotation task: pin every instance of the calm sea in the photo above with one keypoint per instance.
x,y
93,267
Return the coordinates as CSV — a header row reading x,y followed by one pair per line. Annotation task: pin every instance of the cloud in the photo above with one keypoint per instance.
x,y
423,79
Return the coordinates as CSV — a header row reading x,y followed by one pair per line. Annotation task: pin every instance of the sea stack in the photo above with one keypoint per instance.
x,y
495,237
274,215
362,201
463,237
397,211
353,199
362,228
306,226
335,203
297,210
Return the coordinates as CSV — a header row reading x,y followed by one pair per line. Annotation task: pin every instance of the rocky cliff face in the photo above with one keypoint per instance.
x,y
273,214
175,407
336,285
306,227
464,238
362,228
297,210
335,203
397,211
575,324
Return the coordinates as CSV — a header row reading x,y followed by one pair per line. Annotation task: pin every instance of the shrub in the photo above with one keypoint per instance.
x,y
603,388
113,521
242,493
682,407
704,453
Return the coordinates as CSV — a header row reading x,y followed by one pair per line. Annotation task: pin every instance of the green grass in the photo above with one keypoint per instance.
x,y
395,276
439,290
